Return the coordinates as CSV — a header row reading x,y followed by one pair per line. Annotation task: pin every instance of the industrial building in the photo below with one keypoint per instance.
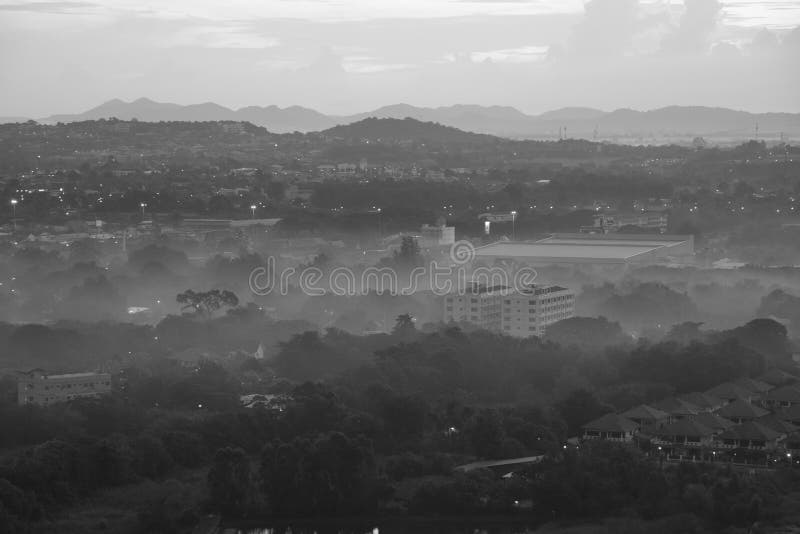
x,y
592,249
37,387
518,313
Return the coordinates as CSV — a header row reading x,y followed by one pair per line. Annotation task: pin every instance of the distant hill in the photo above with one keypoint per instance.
x,y
673,123
408,129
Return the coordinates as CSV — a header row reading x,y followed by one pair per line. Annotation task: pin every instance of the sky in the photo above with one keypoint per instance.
x,y
348,56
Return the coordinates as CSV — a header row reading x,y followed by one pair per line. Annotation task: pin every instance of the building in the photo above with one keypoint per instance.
x,y
437,235
591,249
610,427
479,305
645,415
677,408
530,311
741,411
522,313
750,435
37,387
609,223
731,391
782,397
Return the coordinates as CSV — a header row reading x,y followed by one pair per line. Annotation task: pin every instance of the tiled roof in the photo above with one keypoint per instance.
x,y
677,406
750,431
611,422
784,394
643,411
756,386
703,400
713,421
741,408
730,390
777,377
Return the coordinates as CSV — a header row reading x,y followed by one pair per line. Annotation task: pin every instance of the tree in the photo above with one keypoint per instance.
x,y
229,482
404,326
205,303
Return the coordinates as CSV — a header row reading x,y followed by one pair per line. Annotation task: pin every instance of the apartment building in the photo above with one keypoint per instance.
x,y
519,313
37,387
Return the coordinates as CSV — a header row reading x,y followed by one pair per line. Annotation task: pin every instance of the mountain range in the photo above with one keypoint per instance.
x,y
668,123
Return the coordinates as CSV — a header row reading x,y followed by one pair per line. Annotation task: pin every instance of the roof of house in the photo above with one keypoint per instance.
x,y
677,406
792,413
703,400
643,411
730,390
777,424
713,421
684,427
777,377
750,431
784,394
740,409
611,422
756,386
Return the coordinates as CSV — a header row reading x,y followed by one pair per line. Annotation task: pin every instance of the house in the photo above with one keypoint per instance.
x,y
750,435
778,377
676,407
645,415
684,433
782,397
740,411
704,401
756,386
610,427
777,424
730,391
713,421
790,414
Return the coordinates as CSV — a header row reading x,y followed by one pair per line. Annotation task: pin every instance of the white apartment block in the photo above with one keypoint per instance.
x,y
516,313
36,387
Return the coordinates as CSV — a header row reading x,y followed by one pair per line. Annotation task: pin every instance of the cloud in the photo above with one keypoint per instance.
x,y
606,30
697,25
47,7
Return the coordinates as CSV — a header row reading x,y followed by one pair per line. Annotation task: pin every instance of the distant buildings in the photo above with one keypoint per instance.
x,y
37,387
605,223
522,313
437,235
592,250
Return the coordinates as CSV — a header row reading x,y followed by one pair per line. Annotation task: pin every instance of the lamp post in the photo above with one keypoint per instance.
x,y
142,205
252,211
513,225
14,212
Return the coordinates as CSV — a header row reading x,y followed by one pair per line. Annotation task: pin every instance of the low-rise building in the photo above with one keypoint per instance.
x,y
37,387
610,427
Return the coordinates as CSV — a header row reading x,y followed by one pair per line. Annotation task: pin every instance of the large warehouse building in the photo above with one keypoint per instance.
x,y
592,249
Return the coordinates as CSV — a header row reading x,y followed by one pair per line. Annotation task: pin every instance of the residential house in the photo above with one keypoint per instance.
x,y
778,377
777,424
782,397
741,411
730,392
645,415
704,401
756,386
713,421
610,427
676,407
750,435
685,437
790,414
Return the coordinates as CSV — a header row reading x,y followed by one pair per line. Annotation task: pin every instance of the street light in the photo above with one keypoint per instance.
x,y
142,205
513,225
14,212
252,211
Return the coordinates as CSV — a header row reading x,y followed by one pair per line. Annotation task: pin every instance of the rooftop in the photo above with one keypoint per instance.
x,y
557,252
741,408
611,422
